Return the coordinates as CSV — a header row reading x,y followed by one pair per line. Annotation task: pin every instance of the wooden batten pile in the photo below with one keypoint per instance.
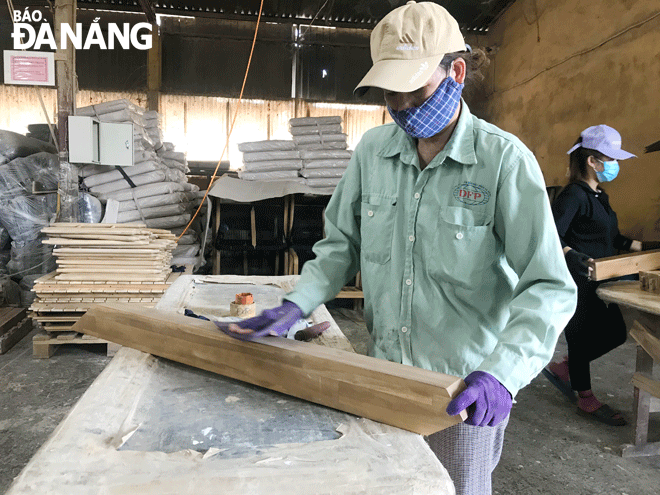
x,y
98,263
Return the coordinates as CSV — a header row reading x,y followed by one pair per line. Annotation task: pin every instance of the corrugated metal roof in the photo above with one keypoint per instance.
x,y
472,15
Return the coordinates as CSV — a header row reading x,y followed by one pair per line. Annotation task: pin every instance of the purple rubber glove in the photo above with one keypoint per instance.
x,y
276,321
487,401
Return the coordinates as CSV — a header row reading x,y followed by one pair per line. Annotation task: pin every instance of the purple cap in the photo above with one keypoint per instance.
x,y
604,139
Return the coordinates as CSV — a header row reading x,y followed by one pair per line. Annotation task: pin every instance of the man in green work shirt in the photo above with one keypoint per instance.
x,y
448,220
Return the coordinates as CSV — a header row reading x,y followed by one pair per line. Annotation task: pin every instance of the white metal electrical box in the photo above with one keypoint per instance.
x,y
101,143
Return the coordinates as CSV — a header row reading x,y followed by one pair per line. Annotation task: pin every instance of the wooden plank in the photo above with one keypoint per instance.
x,y
647,339
111,277
647,384
13,336
10,317
404,396
349,292
625,264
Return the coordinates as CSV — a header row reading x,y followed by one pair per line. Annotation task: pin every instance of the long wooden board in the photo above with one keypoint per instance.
x,y
647,339
404,396
647,384
10,317
625,264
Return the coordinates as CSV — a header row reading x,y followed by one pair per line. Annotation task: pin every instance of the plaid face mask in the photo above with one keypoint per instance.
x,y
434,114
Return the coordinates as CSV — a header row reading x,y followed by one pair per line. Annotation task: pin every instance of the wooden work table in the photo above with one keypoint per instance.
x,y
151,426
646,331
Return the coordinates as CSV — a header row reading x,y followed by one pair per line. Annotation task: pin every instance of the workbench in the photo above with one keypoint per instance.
x,y
152,426
645,307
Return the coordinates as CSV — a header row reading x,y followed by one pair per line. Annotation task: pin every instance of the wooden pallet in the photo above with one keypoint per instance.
x,y
45,345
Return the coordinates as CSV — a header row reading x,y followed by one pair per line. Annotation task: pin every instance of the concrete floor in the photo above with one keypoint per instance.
x,y
548,449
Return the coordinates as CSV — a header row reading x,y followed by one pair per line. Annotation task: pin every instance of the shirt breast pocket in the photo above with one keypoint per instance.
x,y
377,228
465,246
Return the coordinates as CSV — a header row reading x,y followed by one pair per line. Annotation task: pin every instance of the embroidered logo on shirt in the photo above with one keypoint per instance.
x,y
471,194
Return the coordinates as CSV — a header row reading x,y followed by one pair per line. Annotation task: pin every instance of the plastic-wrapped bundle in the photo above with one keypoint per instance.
x,y
326,163
190,237
153,201
277,174
25,216
5,256
17,176
41,132
159,211
325,154
138,180
168,222
14,145
323,182
314,130
175,164
313,173
141,143
179,156
110,107
271,165
90,209
319,138
31,258
4,238
115,111
333,145
156,136
152,119
144,156
271,145
148,190
186,250
303,121
260,156
10,292
112,175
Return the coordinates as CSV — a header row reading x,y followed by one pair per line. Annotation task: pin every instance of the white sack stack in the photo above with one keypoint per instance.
x,y
160,196
322,146
270,161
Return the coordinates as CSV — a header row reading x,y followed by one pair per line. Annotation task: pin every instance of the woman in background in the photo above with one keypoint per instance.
x,y
588,229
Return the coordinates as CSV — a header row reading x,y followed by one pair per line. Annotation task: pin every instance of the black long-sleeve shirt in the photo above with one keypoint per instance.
x,y
586,222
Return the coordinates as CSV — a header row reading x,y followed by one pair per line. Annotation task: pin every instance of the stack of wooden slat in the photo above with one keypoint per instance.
x,y
98,263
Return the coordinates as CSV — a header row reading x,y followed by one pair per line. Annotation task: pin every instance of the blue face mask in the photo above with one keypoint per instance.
x,y
434,114
610,171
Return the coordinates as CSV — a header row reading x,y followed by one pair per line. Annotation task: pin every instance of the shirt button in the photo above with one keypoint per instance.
x,y
370,213
408,282
411,238
416,195
404,329
459,236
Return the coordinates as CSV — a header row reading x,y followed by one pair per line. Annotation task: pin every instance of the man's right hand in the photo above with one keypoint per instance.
x,y
577,263
276,321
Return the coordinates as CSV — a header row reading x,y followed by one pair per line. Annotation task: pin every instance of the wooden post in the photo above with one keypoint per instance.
x,y
216,251
154,70
65,70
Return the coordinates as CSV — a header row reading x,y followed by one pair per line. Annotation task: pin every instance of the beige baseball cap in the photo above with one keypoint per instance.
x,y
407,46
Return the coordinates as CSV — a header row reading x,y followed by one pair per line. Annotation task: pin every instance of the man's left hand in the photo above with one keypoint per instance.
x,y
487,401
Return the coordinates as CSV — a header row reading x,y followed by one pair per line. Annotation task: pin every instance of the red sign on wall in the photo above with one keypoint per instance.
x,y
32,68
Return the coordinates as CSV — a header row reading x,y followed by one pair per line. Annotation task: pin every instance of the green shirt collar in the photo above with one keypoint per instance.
x,y
459,148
